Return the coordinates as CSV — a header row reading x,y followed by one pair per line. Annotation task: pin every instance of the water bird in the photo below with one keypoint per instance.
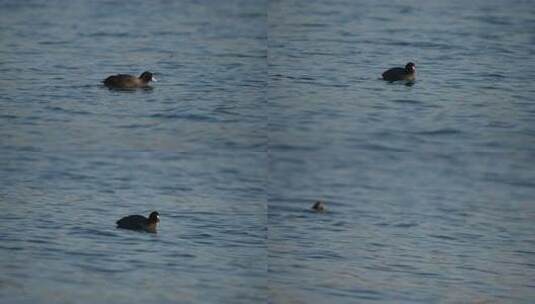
x,y
139,222
394,74
125,81
319,206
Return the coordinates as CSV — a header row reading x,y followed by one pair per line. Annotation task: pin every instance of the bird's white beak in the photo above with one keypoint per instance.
x,y
154,79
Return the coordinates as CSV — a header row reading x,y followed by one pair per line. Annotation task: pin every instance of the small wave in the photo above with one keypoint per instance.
x,y
318,53
407,101
171,33
54,42
136,126
13,248
494,75
238,55
105,34
378,147
89,231
440,132
103,268
60,109
312,25
8,116
405,225
493,20
251,15
423,45
181,255
325,255
443,237
194,117
86,253
292,147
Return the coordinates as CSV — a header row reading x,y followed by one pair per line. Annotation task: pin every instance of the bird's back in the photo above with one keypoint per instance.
x,y
394,74
121,80
132,222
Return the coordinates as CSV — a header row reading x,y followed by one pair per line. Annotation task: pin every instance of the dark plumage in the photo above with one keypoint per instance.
x,y
319,206
139,222
125,81
394,74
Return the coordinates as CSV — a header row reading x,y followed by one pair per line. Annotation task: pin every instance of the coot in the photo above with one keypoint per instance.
x,y
139,222
394,74
125,81
319,206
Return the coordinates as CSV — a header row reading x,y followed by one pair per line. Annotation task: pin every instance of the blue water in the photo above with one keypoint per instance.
x,y
210,61
262,108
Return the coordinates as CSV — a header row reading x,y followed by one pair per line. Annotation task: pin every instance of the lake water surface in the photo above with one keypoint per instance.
x,y
262,108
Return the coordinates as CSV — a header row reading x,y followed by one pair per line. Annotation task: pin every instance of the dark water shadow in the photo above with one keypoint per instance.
x,y
128,90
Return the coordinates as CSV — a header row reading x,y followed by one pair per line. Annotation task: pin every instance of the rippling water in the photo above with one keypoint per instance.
x,y
76,156
60,245
263,108
430,189
210,61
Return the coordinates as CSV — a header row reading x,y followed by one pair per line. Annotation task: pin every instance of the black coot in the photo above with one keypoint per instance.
x,y
125,81
394,74
139,222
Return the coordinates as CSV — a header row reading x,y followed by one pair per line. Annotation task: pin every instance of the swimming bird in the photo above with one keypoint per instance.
x,y
139,222
394,74
125,81
319,206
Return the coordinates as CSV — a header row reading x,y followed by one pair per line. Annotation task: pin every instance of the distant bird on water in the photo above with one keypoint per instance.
x,y
139,222
125,81
319,206
394,74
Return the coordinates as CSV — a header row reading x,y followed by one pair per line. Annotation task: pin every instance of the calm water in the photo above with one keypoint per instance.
x,y
263,107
